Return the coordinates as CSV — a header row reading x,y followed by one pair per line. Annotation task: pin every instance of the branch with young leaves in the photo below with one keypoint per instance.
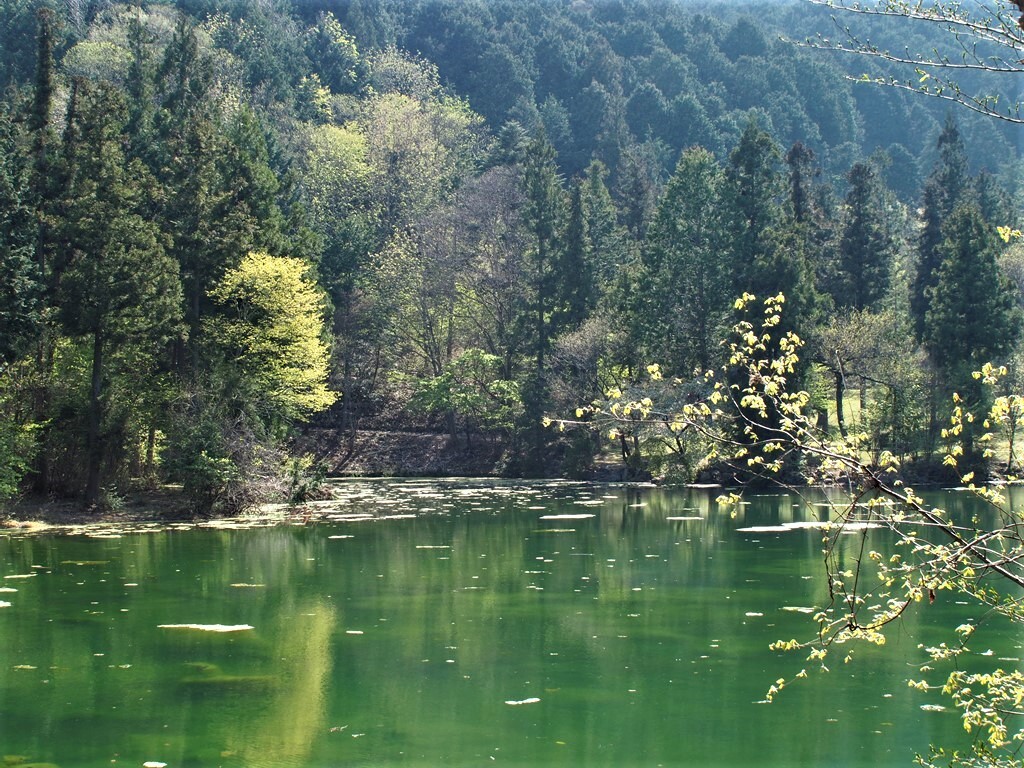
x,y
752,417
985,38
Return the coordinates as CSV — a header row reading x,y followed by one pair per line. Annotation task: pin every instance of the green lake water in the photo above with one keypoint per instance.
x,y
452,624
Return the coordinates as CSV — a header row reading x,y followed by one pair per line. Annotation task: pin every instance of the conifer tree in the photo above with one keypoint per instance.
x,y
867,247
542,215
755,189
606,238
20,285
972,317
576,290
116,286
772,252
948,186
543,211
687,288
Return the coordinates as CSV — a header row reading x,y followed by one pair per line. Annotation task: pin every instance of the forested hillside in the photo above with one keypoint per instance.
x,y
222,219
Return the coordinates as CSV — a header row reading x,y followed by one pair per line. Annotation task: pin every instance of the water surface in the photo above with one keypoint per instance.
x,y
457,624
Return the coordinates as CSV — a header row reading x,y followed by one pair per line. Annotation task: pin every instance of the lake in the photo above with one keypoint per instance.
x,y
463,623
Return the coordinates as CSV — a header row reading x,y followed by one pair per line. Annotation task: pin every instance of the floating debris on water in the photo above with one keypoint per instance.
x,y
84,562
208,627
809,525
515,703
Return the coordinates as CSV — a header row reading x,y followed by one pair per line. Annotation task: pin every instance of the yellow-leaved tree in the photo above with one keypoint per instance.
x,y
269,335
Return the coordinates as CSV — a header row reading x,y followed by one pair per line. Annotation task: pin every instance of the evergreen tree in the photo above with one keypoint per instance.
x,y
867,247
639,185
972,315
334,53
607,240
45,182
948,186
993,200
542,215
802,176
116,285
140,88
755,189
686,292
20,284
812,214
577,292
251,185
772,252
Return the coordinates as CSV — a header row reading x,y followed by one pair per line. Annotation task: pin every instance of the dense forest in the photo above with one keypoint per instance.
x,y
222,219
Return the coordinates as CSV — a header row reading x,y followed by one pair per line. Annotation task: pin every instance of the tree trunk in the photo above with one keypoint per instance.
x,y
840,393
150,450
1012,428
93,438
863,400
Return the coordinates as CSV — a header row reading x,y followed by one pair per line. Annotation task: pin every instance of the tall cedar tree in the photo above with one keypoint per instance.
x,y
687,288
543,212
44,184
755,188
20,287
972,316
867,247
116,287
577,291
948,185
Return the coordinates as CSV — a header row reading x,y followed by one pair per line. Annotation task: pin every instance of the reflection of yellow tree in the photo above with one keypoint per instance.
x,y
284,731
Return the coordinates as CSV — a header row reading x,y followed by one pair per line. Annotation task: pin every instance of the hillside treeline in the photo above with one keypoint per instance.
x,y
223,219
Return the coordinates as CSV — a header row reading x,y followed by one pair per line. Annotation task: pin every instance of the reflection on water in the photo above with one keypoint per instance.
x,y
449,623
